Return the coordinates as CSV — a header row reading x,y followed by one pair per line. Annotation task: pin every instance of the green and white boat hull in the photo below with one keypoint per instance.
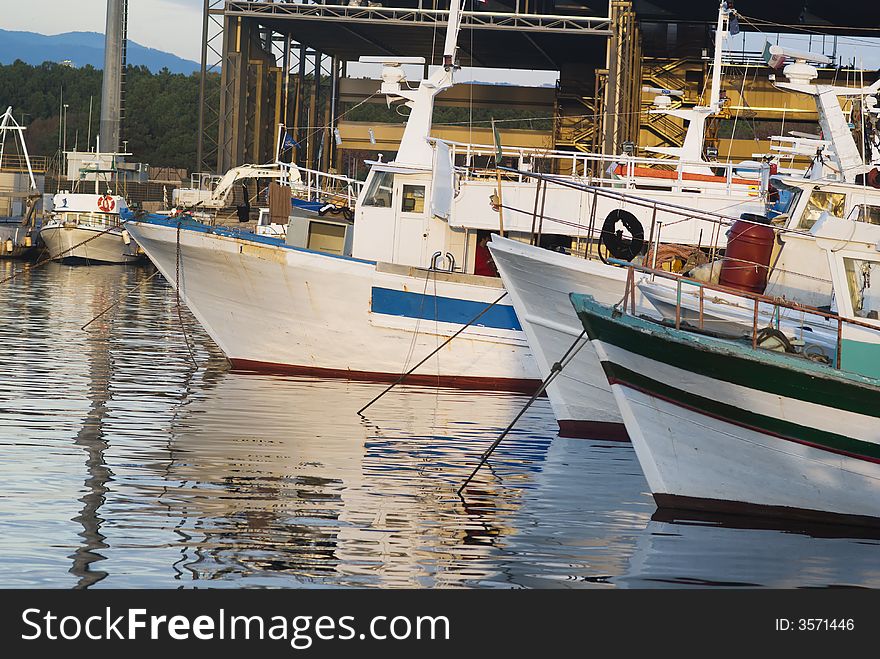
x,y
719,426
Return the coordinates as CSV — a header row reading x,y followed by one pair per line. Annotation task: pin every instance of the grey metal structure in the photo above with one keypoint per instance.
x,y
269,63
112,92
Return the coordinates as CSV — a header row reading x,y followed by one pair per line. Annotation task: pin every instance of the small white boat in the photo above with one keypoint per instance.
x,y
87,228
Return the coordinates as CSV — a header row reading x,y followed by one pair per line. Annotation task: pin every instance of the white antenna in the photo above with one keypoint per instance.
x,y
721,31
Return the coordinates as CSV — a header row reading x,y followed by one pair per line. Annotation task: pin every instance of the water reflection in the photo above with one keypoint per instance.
x,y
314,490
681,550
125,465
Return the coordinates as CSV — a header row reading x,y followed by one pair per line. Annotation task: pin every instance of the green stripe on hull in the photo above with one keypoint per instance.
x,y
734,362
738,416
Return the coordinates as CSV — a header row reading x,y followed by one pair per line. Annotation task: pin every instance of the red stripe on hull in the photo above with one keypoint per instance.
x,y
452,381
741,508
604,430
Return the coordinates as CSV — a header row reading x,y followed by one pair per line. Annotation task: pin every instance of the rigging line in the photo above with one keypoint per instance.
x,y
555,370
177,294
442,345
415,336
788,28
351,109
736,117
470,88
120,299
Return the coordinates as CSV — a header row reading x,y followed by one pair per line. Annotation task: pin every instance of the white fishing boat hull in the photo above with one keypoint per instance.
x,y
278,308
721,427
691,459
69,242
539,282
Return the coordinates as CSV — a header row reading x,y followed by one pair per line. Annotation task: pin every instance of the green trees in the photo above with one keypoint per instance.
x,y
160,114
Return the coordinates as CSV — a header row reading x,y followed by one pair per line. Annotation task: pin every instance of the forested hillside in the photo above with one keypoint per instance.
x,y
161,109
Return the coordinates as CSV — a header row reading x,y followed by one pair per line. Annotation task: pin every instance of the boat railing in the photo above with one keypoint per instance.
x,y
621,170
754,300
316,185
18,163
102,220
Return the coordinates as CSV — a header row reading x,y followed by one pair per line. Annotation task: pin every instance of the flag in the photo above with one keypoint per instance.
x,y
496,136
774,60
288,142
733,26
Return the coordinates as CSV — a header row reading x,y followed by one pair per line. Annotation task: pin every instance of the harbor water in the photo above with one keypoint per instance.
x,y
126,465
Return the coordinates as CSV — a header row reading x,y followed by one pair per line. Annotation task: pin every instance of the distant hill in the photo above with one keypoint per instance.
x,y
83,48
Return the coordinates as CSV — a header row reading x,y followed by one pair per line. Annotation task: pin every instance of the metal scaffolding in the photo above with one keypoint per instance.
x,y
257,71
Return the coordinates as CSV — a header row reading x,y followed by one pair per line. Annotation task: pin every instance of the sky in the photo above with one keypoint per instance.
x,y
174,26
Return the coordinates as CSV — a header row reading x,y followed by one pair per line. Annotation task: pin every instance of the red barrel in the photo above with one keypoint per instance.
x,y
747,257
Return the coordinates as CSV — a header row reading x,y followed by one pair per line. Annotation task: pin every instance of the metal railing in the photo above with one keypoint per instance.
x,y
102,220
315,185
628,305
618,171
13,162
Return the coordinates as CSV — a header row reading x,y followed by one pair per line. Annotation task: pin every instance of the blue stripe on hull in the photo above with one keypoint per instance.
x,y
448,309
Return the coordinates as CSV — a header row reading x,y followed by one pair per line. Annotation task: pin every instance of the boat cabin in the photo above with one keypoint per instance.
x,y
854,264
798,272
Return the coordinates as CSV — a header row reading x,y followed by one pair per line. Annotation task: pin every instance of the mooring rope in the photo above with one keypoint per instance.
x,y
120,299
555,370
435,351
177,294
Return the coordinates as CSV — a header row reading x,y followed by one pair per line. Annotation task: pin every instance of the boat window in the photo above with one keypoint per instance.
x,y
859,278
821,202
869,214
379,191
786,202
413,199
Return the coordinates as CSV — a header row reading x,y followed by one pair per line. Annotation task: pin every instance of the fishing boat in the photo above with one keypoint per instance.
x,y
358,304
724,425
369,300
86,228
540,280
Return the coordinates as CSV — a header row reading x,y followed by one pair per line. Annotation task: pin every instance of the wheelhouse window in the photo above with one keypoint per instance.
x,y
786,202
413,199
379,193
869,214
860,275
821,202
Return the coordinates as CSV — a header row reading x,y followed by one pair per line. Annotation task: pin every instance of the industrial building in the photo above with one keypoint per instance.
x,y
269,63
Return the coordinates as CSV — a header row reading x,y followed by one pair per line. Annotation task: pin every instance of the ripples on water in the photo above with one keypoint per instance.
x,y
124,465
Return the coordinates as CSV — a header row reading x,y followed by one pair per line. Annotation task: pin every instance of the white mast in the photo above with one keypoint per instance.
x,y
414,149
8,123
721,31
691,150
